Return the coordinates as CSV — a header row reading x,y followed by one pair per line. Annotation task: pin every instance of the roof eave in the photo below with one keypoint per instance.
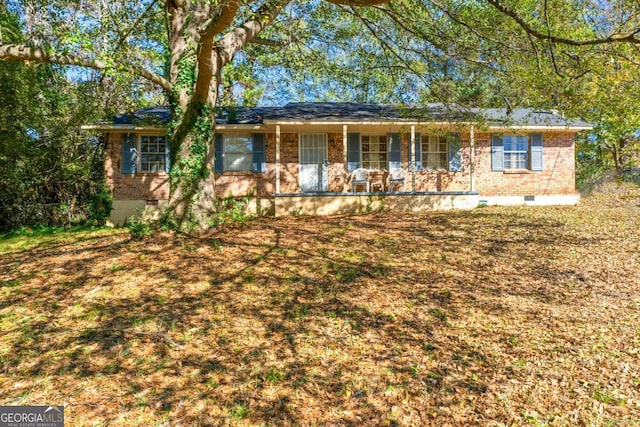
x,y
127,127
361,122
572,128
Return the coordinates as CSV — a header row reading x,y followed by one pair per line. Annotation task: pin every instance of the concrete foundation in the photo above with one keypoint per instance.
x,y
345,203
533,200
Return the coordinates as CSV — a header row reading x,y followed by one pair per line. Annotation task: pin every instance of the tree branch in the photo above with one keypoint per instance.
x,y
135,25
613,38
205,55
387,48
22,53
270,42
235,40
358,3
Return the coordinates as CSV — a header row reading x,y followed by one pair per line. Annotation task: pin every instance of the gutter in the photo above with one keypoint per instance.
x,y
576,128
266,125
129,128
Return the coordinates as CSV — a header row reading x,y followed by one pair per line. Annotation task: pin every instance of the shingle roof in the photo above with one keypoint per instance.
x,y
349,112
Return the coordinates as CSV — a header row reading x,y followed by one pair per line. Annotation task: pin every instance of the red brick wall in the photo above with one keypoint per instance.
x,y
438,180
155,186
556,178
140,186
337,168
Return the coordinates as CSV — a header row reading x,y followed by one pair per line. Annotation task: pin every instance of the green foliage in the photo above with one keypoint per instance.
x,y
43,230
605,396
273,375
100,205
452,51
240,87
230,210
139,228
239,411
50,173
592,162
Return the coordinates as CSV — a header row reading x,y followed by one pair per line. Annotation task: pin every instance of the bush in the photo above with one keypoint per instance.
x,y
230,210
138,228
99,206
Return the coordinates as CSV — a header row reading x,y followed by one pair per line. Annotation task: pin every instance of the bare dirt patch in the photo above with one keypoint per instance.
x,y
497,316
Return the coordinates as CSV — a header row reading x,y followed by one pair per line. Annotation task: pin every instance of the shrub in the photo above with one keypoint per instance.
x,y
138,228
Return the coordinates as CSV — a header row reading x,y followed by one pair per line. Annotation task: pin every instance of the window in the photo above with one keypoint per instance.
x,y
144,153
435,152
152,154
374,152
516,151
238,152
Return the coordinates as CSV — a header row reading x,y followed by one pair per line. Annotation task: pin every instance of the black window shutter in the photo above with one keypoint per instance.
x,y
418,151
353,151
217,162
259,165
129,153
536,152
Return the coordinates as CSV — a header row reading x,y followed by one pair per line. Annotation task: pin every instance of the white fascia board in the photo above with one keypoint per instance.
x,y
425,124
359,123
128,128
242,127
536,127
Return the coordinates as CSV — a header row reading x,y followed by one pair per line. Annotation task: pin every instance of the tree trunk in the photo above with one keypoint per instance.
x,y
192,195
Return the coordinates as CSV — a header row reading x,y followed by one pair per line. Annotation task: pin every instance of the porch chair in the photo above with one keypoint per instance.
x,y
359,176
396,177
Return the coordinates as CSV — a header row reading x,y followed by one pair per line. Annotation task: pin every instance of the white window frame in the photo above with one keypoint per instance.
x,y
516,164
442,156
160,154
383,164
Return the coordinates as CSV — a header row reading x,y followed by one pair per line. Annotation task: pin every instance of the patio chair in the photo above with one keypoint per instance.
x,y
396,177
360,176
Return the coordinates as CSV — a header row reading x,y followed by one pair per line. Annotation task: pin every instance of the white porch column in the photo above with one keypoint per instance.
x,y
277,159
412,159
472,152
345,163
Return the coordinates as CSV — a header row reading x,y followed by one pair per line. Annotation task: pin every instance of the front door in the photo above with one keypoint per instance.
x,y
314,174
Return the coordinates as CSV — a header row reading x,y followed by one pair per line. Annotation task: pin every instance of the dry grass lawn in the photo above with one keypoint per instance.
x,y
493,317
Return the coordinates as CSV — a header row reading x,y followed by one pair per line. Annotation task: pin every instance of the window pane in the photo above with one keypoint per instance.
x,y
434,152
374,151
238,144
237,162
152,158
238,152
516,151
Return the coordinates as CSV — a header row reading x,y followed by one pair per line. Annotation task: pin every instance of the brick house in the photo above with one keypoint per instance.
x,y
325,158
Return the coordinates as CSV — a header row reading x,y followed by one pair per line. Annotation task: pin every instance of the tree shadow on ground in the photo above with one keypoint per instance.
x,y
350,320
